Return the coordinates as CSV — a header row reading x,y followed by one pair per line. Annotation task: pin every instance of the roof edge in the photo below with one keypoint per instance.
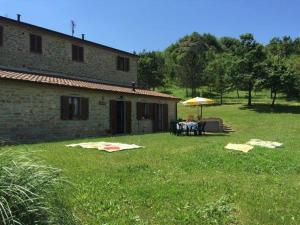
x,y
170,97
67,36
62,76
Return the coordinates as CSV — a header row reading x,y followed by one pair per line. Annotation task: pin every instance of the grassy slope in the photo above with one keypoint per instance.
x,y
174,178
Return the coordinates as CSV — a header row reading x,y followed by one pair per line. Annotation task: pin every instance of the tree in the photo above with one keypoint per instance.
x,y
186,59
281,76
218,72
229,44
251,64
191,66
283,47
151,69
293,90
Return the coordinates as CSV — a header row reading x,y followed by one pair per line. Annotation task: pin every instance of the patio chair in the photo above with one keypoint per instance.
x,y
187,131
201,127
179,130
176,128
173,127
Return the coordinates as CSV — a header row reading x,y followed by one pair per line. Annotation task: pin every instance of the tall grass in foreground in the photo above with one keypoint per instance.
x,y
29,192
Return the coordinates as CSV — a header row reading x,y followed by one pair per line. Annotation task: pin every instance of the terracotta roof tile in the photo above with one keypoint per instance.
x,y
48,79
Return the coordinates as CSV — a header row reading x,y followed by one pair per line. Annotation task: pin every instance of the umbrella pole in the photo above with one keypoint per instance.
x,y
201,112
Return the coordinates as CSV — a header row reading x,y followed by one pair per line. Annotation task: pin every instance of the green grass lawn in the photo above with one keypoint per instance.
x,y
189,180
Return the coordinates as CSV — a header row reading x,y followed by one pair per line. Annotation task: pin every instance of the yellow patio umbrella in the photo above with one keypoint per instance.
x,y
198,101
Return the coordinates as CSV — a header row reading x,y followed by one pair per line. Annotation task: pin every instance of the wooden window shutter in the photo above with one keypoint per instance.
x,y
128,117
113,116
165,117
32,42
154,117
81,54
138,111
118,63
84,107
151,109
126,64
65,109
142,110
39,44
74,52
1,36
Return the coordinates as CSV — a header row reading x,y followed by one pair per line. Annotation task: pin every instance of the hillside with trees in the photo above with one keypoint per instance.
x,y
199,62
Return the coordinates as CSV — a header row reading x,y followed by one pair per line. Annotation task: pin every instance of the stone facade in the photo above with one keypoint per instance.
x,y
56,57
30,111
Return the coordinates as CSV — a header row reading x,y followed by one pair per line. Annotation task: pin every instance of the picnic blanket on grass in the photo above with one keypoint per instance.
x,y
239,147
262,143
250,145
106,146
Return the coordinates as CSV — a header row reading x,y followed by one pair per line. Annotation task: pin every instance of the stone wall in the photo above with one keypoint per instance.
x,y
31,112
99,63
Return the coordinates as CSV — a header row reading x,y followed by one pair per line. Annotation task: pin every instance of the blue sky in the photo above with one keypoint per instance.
x,y
133,25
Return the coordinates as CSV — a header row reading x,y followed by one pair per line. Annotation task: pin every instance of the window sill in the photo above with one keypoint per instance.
x,y
36,53
77,61
75,119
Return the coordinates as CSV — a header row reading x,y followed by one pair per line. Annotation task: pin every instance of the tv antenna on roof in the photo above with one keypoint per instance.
x,y
73,25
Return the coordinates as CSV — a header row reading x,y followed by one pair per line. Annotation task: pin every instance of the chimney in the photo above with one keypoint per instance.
x,y
133,86
82,36
18,17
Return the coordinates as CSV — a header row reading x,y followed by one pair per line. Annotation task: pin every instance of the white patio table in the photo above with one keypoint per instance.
x,y
187,125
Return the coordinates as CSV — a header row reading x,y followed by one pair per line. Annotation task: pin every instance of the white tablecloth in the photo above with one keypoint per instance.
x,y
189,125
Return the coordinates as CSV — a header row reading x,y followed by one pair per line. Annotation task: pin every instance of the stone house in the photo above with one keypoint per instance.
x,y
56,86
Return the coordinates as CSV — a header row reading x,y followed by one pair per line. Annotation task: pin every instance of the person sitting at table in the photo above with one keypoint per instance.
x,y
190,118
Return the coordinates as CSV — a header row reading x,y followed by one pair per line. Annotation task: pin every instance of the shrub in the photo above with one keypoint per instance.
x,y
29,192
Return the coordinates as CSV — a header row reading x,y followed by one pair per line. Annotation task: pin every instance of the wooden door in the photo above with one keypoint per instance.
x,y
154,108
113,117
165,117
160,117
128,117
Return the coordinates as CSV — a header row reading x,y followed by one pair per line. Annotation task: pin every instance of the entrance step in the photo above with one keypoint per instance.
x,y
227,128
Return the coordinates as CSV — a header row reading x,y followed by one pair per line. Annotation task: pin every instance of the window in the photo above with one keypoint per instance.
x,y
74,108
144,110
77,53
123,64
35,43
1,35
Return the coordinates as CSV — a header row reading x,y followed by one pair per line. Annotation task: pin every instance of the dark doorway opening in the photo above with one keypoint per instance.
x,y
160,117
120,117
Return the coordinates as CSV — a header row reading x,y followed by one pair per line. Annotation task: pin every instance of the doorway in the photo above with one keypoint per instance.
x,y
160,117
120,129
120,117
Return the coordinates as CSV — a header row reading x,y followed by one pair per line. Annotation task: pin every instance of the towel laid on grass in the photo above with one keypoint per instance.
x,y
106,146
239,147
250,145
262,143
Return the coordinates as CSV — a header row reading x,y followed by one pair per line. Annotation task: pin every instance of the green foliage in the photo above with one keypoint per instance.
x,y
28,192
284,46
198,60
229,44
186,59
151,69
251,64
281,77
219,73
